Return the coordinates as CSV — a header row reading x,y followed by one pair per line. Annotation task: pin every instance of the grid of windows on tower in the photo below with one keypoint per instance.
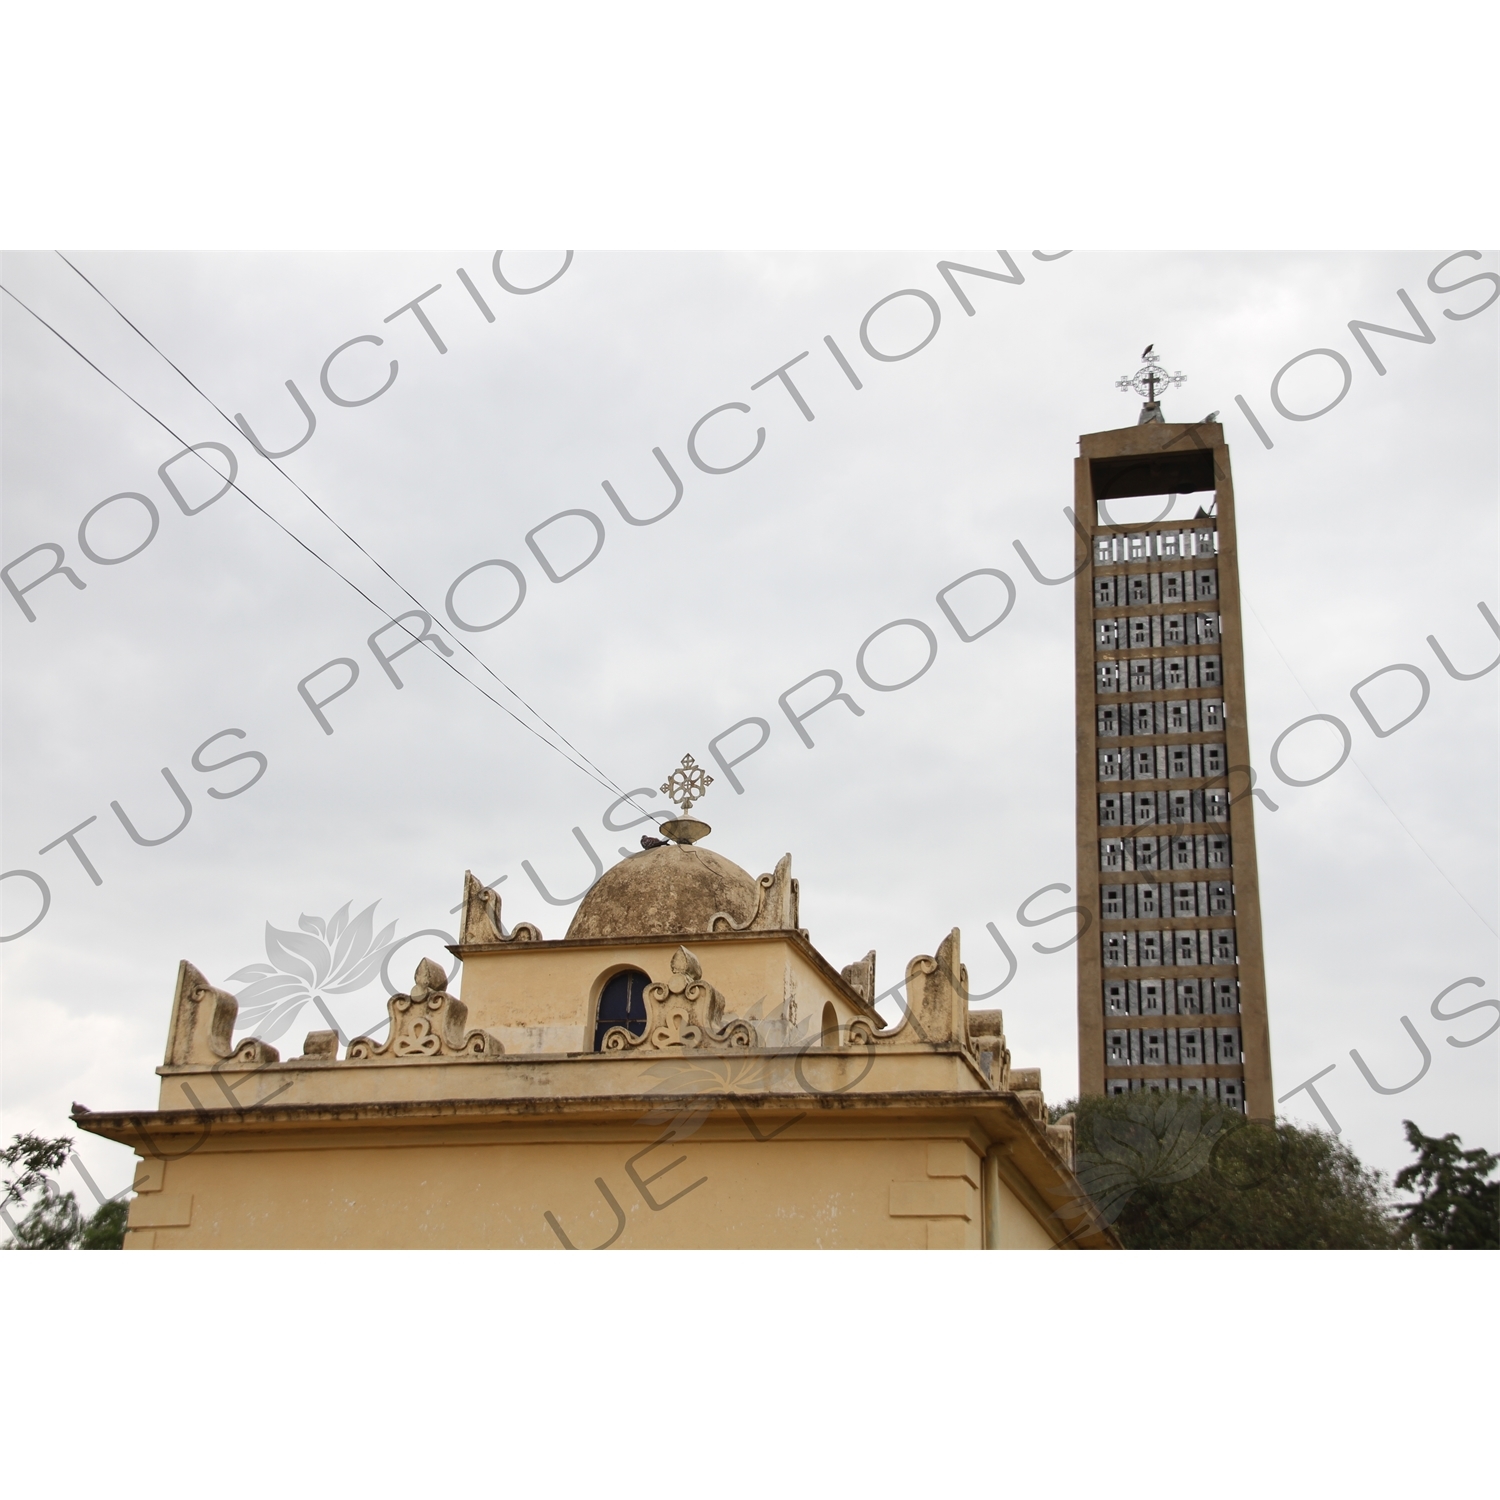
x,y
1137,632
1182,898
1162,762
1158,546
1129,809
1228,1091
1159,674
1173,1047
1182,947
1177,851
1166,860
1171,997
1185,716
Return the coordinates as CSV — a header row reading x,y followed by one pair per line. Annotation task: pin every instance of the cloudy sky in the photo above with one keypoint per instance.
x,y
945,803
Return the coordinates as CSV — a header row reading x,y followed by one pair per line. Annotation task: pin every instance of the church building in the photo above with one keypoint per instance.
x,y
683,1069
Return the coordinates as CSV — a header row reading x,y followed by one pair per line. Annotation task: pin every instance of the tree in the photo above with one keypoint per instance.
x,y
36,1156
54,1221
106,1230
1175,1171
1458,1207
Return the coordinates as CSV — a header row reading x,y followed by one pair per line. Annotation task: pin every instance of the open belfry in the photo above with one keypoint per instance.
x,y
1171,977
682,1070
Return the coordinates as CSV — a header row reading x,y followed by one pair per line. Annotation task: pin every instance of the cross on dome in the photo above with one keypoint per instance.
x,y
687,784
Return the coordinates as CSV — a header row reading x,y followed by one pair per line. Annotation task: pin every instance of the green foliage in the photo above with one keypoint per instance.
x,y
36,1156
106,1230
53,1223
1458,1207
1175,1171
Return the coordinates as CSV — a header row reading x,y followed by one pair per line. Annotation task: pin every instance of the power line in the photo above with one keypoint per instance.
x,y
340,528
592,774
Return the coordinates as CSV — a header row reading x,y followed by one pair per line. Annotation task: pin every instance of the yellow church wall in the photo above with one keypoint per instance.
x,y
715,1186
1019,1228
543,997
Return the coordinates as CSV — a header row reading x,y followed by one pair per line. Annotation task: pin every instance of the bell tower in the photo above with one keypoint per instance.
x,y
1171,975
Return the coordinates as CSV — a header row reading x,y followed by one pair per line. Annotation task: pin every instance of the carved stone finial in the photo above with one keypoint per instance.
x,y
1062,1136
937,994
685,965
481,917
202,1026
320,1046
776,900
428,1023
987,1037
430,979
860,977
684,1013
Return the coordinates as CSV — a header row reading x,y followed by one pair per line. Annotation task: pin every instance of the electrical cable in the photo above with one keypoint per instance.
x,y
342,531
592,773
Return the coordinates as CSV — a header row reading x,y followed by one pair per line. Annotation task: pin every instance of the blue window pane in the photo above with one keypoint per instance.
x,y
623,1003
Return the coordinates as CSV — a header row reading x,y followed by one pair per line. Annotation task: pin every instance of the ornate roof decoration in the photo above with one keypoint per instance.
x,y
685,1012
775,904
481,918
427,1023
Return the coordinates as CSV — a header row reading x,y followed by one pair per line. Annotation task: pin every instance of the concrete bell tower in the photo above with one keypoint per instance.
x,y
1171,974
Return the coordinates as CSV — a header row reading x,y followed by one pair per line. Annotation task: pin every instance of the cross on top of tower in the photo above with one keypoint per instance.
x,y
1148,382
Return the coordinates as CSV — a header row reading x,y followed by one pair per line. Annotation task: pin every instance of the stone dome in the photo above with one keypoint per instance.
x,y
667,892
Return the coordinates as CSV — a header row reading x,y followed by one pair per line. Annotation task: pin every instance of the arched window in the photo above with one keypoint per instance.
x,y
622,1002
830,1025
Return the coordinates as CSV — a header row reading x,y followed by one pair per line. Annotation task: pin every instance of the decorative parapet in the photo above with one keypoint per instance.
x,y
862,1031
987,1037
776,904
1062,1136
937,995
1026,1085
319,1046
481,920
202,1026
684,1013
860,977
427,1023
937,1000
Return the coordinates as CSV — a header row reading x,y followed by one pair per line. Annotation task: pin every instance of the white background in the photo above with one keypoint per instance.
x,y
815,127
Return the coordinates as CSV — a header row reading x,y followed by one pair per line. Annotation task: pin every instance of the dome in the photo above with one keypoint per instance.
x,y
666,892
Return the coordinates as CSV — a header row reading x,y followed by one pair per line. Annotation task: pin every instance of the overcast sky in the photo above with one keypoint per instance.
x,y
945,803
